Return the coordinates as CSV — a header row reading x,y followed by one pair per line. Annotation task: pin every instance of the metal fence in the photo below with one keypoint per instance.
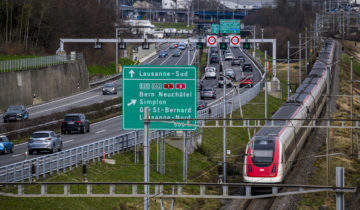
x,y
67,159
33,63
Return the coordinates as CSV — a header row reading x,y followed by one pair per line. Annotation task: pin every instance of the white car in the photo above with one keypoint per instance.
x,y
228,56
210,72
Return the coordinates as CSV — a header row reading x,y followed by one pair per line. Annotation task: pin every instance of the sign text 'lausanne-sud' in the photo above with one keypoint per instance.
x,y
168,91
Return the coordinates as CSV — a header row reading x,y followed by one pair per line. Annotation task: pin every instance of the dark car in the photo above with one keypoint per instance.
x,y
176,53
247,67
14,113
236,61
208,92
75,122
6,145
201,105
214,50
109,88
163,54
214,58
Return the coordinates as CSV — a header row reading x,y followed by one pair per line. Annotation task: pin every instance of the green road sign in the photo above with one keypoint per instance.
x,y
223,45
168,91
246,45
215,28
228,26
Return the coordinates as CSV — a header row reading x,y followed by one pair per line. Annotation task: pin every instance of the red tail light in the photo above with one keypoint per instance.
x,y
79,122
48,139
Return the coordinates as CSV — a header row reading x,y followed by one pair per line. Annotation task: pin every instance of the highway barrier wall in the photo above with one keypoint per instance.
x,y
33,86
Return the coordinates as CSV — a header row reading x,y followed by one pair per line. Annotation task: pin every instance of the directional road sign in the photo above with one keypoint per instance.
x,y
168,91
228,26
211,41
215,28
235,41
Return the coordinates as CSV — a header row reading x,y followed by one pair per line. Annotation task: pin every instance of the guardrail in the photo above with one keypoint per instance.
x,y
67,159
31,63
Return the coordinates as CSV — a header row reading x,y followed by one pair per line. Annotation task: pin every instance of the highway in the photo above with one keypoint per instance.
x,y
112,127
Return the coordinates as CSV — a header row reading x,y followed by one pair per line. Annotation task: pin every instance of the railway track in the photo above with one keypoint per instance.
x,y
256,204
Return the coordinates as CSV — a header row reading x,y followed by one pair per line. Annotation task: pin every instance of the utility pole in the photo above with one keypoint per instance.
x,y
184,157
328,130
254,41
224,129
288,73
146,156
306,55
117,48
299,59
352,103
266,91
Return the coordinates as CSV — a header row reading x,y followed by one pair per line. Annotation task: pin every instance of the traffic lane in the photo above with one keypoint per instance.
x,y
86,99
161,61
98,131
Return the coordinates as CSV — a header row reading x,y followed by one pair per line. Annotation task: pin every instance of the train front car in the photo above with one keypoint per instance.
x,y
264,161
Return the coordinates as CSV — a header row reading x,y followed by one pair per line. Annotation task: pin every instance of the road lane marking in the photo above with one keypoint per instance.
x,y
68,141
100,131
20,144
65,105
17,155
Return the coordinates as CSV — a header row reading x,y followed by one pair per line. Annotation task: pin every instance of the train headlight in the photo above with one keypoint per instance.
x,y
273,169
249,168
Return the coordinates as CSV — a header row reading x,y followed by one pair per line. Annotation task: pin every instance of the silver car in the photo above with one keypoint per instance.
x,y
228,56
210,72
44,140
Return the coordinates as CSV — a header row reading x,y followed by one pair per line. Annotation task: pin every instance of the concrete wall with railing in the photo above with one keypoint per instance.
x,y
27,87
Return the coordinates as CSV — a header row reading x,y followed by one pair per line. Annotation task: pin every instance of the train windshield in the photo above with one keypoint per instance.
x,y
263,152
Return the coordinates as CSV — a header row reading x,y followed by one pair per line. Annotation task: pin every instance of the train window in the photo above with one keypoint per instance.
x,y
263,153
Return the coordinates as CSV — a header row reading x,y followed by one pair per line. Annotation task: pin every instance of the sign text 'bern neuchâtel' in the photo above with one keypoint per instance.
x,y
169,92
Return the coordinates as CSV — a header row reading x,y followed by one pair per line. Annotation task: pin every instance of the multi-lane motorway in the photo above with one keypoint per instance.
x,y
112,127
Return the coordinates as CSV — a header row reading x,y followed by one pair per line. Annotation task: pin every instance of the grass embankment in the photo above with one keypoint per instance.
x,y
202,167
178,26
99,115
15,57
340,142
203,62
109,69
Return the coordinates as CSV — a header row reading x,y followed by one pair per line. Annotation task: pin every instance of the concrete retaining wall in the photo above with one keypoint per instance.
x,y
46,83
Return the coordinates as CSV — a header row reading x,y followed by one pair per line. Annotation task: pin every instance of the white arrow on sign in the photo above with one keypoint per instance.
x,y
131,73
133,102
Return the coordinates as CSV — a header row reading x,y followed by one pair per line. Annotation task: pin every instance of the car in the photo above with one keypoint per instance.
x,y
181,46
201,105
228,56
208,92
15,113
173,46
228,82
246,82
176,53
210,72
6,145
242,59
75,122
109,88
236,61
163,54
247,67
214,50
214,58
226,51
44,140
230,73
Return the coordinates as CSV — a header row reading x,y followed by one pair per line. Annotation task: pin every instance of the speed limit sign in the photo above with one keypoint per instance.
x,y
235,41
211,41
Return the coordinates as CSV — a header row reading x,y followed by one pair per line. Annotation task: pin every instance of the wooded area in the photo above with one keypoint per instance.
x,y
35,26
